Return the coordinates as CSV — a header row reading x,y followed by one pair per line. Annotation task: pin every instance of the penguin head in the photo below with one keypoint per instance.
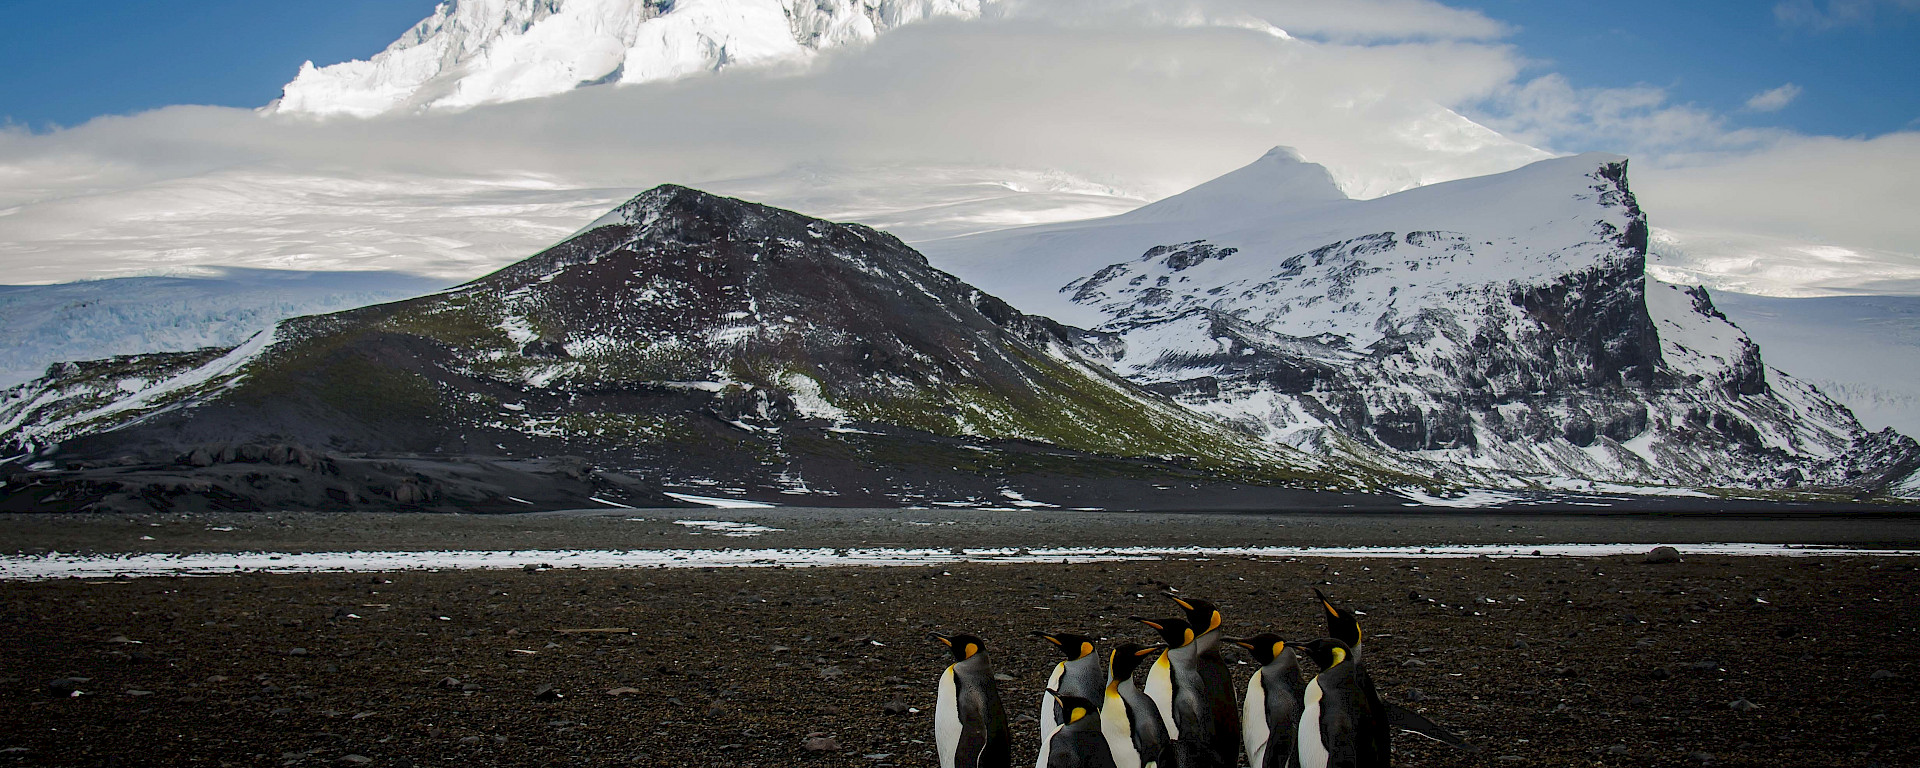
x,y
1340,623
963,646
1326,652
1076,647
1076,708
1124,658
1176,632
1202,615
1265,646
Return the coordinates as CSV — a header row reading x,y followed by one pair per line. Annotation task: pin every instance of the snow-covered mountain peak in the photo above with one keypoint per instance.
x,y
473,52
1280,181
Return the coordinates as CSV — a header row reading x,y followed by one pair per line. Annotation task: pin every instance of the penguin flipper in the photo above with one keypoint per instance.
x,y
1413,722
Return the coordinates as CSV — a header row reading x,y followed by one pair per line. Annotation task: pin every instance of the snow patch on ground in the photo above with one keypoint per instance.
x,y
719,503
58,565
1471,499
728,528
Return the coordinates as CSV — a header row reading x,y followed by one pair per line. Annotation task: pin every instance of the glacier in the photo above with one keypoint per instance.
x,y
41,325
472,52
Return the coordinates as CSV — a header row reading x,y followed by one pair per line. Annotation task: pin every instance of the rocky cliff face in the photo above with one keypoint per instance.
x,y
1497,330
683,340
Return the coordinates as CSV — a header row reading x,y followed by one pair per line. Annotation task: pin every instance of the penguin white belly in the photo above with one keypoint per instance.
x,y
1253,721
1313,751
946,719
1047,723
1160,690
1117,728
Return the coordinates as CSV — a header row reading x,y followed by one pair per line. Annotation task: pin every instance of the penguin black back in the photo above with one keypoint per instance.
x,y
970,726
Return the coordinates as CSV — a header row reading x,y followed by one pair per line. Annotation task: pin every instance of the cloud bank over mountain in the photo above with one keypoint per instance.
x,y
1106,104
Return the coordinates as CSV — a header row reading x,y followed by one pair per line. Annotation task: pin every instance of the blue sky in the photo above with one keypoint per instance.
x,y
1854,63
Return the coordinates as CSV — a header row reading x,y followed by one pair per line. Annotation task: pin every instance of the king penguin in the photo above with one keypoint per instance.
x,y
969,725
1079,675
1270,719
1339,726
1344,626
1178,692
1077,742
1216,683
1129,719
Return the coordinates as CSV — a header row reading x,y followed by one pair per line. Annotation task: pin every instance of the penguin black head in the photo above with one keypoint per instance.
x,y
1203,616
1076,647
1265,646
1124,658
1340,623
963,646
1176,632
1076,708
1326,652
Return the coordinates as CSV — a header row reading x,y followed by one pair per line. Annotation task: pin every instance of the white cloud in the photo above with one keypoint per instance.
x,y
1549,111
1857,192
1775,99
1833,14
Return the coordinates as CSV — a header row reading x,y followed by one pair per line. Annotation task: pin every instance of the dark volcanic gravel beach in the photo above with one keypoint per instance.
x,y
1612,662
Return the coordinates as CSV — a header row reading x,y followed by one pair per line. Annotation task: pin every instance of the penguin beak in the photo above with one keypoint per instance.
x,y
1148,622
1046,636
1240,641
1176,598
940,638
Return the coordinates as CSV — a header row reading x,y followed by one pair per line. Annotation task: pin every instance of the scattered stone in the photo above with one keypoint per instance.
x,y
1619,749
1742,705
894,707
1663,556
1659,673
622,691
1415,695
66,686
450,683
1003,677
1882,674
716,708
470,740
1519,645
546,692
1566,671
1413,663
1639,701
1708,665
355,759
1700,757
834,672
820,742
138,693
298,652
1510,759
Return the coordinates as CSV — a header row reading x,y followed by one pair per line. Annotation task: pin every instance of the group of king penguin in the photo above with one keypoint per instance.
x,y
1092,717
